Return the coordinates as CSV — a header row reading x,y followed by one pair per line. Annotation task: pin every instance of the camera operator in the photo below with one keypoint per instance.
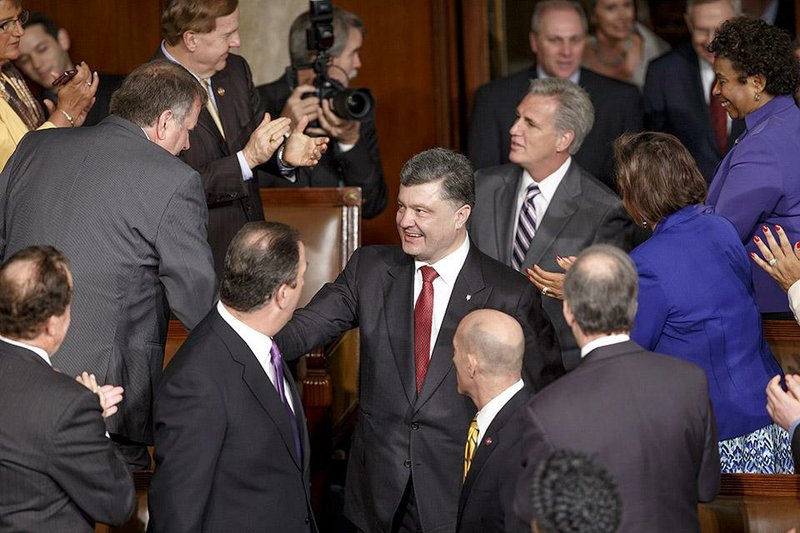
x,y
354,159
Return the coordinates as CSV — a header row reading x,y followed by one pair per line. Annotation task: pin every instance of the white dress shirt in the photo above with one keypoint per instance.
x,y
606,340
486,415
547,188
259,344
448,269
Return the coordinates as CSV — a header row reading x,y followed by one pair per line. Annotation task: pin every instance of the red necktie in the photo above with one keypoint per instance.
x,y
718,120
423,317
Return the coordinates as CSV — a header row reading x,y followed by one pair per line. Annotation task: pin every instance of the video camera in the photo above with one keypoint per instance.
x,y
347,103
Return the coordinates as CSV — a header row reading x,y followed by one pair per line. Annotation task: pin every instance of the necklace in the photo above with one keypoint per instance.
x,y
615,61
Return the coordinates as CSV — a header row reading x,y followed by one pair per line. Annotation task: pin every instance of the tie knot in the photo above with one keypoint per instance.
x,y
275,352
428,274
532,192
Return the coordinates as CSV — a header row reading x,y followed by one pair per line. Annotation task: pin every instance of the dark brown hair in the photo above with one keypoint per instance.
x,y
198,16
30,294
656,175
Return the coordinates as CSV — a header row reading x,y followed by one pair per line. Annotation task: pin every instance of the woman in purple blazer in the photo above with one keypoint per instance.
x,y
696,298
758,181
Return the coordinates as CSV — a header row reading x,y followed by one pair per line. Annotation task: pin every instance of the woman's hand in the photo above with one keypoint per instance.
x,y
780,260
75,98
550,283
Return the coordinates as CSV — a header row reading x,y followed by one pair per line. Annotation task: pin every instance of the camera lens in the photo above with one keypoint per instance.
x,y
353,104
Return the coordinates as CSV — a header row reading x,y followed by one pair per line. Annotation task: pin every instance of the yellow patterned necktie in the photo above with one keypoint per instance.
x,y
469,449
212,108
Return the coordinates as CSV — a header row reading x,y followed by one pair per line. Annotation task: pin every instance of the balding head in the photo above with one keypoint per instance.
x,y
488,347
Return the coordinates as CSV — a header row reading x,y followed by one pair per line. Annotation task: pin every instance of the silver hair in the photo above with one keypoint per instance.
x,y
544,5
736,5
575,110
601,289
343,20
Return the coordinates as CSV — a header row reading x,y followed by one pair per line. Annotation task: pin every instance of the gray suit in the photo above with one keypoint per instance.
x,y
131,218
59,471
582,212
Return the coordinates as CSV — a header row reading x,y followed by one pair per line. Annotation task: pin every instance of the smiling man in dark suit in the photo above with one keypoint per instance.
x,y
405,464
557,38
543,205
59,471
677,91
231,444
644,417
233,138
487,353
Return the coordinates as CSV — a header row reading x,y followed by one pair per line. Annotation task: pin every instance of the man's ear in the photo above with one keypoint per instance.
x,y
567,312
564,140
472,365
281,296
462,215
62,37
189,39
161,123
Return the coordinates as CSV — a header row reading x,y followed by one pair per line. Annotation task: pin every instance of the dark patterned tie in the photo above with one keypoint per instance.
x,y
526,227
718,120
277,365
423,319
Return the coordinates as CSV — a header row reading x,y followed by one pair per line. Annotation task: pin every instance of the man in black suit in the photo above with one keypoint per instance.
x,y
487,353
677,90
412,419
231,445
132,217
44,55
543,205
644,417
59,471
233,138
354,159
558,36
784,408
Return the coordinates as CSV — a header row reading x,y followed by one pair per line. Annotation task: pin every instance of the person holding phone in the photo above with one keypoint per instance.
x,y
19,111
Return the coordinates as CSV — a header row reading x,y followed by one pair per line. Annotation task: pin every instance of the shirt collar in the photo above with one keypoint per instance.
x,y
259,343
486,415
35,349
450,265
548,186
574,78
606,340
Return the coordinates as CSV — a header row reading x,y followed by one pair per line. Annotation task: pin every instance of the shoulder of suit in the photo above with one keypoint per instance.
x,y
512,82
496,174
594,190
602,87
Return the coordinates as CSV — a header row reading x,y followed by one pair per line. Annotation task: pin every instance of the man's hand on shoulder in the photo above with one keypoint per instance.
x,y
109,395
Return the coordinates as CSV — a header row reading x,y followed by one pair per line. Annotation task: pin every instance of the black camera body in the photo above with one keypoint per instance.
x,y
347,103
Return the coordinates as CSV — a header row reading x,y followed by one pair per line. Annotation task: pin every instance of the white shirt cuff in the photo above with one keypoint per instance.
x,y
247,172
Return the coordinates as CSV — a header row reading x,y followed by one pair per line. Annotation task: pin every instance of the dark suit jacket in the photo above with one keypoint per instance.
x,y
399,434
582,212
108,84
796,450
617,109
785,17
486,501
358,167
224,450
674,102
131,218
232,201
58,471
644,417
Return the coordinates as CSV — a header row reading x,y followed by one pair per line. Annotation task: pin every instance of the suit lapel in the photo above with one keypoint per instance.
x,y
505,208
260,385
561,208
219,82
468,293
398,295
490,440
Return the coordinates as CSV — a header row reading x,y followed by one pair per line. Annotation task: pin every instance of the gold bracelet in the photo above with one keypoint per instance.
x,y
71,120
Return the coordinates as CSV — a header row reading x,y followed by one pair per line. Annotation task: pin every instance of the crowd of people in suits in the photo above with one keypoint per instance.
x,y
568,336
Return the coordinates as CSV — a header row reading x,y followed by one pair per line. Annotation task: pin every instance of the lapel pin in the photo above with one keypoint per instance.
x,y
221,91
469,297
488,441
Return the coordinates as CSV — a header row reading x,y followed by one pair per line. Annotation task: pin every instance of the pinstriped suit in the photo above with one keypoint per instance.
x,y
131,218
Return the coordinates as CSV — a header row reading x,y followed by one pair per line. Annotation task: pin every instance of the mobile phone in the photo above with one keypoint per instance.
x,y
65,77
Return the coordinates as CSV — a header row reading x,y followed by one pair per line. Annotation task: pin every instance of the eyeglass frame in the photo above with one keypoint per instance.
x,y
8,25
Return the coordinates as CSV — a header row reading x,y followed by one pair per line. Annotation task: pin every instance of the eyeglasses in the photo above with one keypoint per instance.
x,y
9,24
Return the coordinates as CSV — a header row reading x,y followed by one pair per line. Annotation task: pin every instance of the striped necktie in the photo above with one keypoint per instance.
x,y
526,227
212,107
472,443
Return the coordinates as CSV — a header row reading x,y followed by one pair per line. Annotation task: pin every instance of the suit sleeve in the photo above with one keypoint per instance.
x,y
616,228
653,307
708,478
185,266
535,447
484,148
752,187
83,462
332,311
543,362
190,422
655,114
361,167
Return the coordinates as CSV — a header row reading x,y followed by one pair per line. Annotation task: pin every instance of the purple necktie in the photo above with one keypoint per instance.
x,y
277,365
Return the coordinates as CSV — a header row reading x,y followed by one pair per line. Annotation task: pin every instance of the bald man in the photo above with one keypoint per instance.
x,y
487,353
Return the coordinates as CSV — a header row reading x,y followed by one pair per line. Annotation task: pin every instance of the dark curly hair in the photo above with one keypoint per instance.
x,y
755,47
34,285
572,494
